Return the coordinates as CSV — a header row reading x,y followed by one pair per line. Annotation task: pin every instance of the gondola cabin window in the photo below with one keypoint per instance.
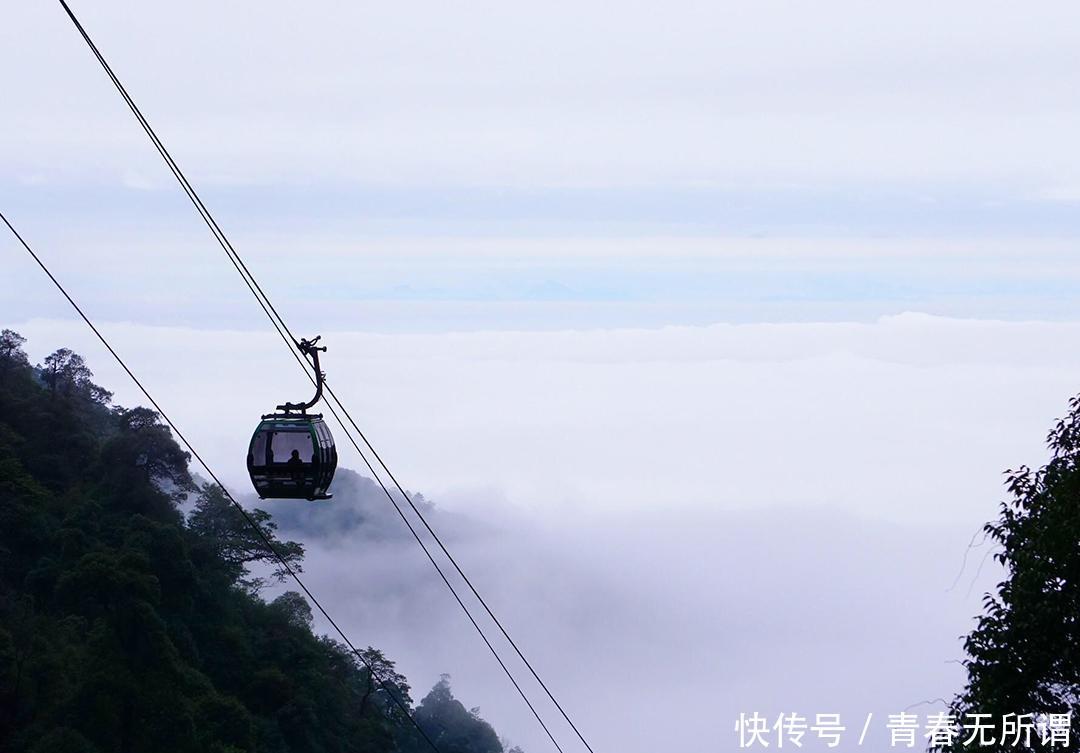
x,y
284,443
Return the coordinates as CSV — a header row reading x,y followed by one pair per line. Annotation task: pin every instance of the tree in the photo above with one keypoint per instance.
x,y
1022,654
222,529
12,356
66,373
452,727
148,444
295,608
381,678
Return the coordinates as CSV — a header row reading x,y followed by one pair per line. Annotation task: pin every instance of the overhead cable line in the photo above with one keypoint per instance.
x,y
457,567
250,521
291,341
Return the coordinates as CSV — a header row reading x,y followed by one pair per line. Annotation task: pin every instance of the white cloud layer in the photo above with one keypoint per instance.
x,y
903,418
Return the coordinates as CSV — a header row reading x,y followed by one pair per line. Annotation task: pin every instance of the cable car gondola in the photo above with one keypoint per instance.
x,y
292,453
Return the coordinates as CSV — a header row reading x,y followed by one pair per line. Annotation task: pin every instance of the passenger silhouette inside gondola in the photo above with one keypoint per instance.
x,y
295,465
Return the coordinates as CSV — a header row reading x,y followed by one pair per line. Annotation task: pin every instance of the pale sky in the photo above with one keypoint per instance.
x,y
970,97
784,287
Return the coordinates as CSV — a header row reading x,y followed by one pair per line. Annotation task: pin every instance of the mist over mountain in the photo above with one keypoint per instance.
x,y
129,625
359,511
723,610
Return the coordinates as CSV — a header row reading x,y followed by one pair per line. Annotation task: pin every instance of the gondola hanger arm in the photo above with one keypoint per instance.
x,y
309,348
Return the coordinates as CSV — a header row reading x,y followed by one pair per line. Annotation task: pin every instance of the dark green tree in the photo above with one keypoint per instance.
x,y
384,688
1023,657
452,727
230,540
12,356
66,373
144,453
295,608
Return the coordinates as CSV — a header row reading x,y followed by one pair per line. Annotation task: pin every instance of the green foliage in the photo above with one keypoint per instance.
x,y
125,627
66,375
224,538
12,356
453,728
1022,654
63,740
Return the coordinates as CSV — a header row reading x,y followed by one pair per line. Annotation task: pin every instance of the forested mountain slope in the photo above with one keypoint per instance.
x,y
127,626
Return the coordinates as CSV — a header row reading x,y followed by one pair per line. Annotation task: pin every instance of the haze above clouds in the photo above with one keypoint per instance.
x,y
560,94
842,114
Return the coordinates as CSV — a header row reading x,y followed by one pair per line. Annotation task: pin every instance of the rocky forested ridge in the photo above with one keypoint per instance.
x,y
129,624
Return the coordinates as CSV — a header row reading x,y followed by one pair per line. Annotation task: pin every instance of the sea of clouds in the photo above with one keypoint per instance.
x,y
677,524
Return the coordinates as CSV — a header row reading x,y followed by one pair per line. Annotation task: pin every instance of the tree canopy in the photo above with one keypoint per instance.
x,y
1023,656
453,728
